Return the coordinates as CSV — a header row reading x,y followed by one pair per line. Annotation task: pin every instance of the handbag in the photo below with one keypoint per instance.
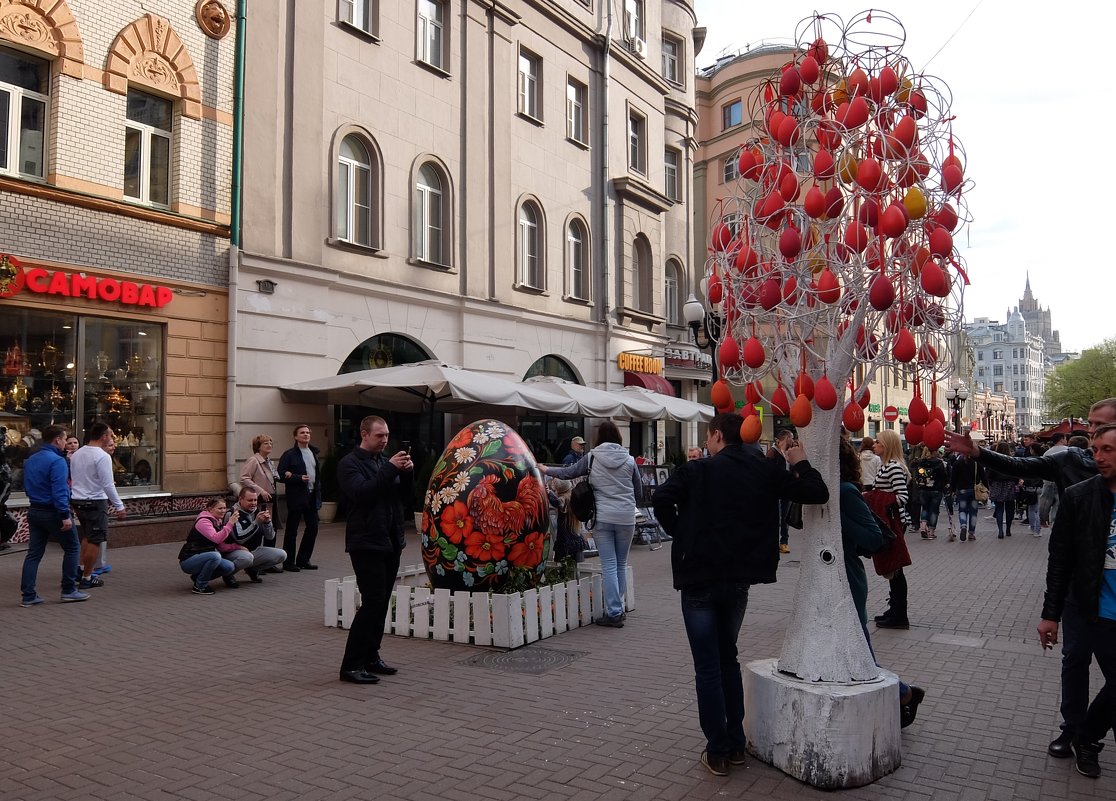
x,y
8,527
894,555
793,517
980,492
583,503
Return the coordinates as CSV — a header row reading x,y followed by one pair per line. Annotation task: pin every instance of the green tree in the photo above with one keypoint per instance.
x,y
1077,385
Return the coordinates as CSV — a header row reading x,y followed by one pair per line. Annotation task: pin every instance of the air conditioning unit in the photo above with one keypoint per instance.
x,y
638,46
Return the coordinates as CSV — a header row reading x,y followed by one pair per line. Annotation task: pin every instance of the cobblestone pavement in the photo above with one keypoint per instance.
x,y
149,692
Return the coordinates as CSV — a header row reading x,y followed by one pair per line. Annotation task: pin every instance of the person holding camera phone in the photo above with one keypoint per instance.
x,y
259,474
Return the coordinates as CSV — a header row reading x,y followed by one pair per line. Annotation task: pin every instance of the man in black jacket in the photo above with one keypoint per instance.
x,y
1081,571
723,513
299,469
375,487
1065,468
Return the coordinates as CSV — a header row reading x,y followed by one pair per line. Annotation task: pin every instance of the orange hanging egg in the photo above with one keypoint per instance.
x,y
751,429
720,394
801,412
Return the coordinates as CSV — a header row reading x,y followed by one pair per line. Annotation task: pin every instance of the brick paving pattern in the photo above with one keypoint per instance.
x,y
149,692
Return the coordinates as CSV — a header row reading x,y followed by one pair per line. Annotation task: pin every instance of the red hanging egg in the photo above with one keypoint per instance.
x,y
946,217
917,411
753,392
771,293
834,203
722,235
790,243
952,178
853,417
788,133
869,213
788,187
779,402
809,70
858,82
819,50
941,242
904,348
746,260
754,355
814,203
889,81
864,397
716,290
882,294
917,101
913,433
927,356
933,435
821,103
729,353
790,82
751,163
894,221
858,113
856,237
790,290
869,174
749,410
804,385
775,118
934,280
825,396
937,414
829,288
906,131
824,165
801,412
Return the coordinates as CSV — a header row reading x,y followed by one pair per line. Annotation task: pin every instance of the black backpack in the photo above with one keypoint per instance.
x,y
583,503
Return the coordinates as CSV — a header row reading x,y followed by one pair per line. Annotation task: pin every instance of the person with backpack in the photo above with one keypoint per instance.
x,y
930,475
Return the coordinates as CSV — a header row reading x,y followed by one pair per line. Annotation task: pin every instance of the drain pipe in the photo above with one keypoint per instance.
x,y
606,305
231,472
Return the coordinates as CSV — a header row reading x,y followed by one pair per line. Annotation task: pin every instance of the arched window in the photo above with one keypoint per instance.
x,y
672,295
530,249
431,213
577,260
642,275
552,365
353,203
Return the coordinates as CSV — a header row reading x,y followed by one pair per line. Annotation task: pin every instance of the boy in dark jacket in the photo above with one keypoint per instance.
x,y
723,513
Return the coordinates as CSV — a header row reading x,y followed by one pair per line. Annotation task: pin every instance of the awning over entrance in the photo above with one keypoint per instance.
x,y
634,403
655,383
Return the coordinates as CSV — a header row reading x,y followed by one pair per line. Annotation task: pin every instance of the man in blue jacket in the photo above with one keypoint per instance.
x,y
374,486
1081,572
723,513
46,479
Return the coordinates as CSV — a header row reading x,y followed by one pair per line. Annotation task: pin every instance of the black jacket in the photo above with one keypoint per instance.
x,y
375,490
1064,468
930,474
723,513
298,496
1077,549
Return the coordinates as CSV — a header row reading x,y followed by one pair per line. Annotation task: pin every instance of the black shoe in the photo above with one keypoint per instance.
x,y
230,582
276,569
738,757
381,667
89,583
893,622
887,614
717,764
909,710
359,677
611,622
1088,763
253,575
1062,747
291,568
203,589
306,566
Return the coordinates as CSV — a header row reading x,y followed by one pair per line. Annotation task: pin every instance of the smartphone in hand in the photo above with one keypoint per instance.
x,y
407,446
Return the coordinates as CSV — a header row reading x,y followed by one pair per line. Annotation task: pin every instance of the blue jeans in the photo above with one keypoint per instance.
x,y
204,566
931,507
1033,518
43,524
613,543
713,614
966,510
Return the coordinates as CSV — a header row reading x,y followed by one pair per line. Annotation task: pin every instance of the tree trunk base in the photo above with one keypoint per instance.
x,y
829,735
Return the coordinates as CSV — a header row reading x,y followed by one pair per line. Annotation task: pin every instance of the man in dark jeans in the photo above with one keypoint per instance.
x,y
1064,468
1081,590
375,487
299,469
723,513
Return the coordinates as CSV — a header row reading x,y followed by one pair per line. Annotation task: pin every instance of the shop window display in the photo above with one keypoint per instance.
x,y
72,371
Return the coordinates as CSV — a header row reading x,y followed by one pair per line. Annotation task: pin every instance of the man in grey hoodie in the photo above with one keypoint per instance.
x,y
616,490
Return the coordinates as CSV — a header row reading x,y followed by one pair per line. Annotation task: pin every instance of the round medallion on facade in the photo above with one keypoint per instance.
x,y
212,18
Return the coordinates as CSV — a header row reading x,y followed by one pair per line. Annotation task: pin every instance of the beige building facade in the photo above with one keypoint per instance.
x,y
116,123
504,186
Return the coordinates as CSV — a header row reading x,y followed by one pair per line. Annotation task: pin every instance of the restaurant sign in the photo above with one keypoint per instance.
x,y
14,278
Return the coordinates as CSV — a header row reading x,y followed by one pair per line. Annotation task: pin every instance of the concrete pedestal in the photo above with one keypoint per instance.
x,y
828,735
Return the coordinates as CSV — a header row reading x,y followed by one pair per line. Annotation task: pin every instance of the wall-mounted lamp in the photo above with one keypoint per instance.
x,y
266,286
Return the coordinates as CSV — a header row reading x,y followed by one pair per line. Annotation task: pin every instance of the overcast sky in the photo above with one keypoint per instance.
x,y
1032,93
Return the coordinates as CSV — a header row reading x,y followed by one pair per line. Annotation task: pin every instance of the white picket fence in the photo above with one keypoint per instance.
x,y
479,618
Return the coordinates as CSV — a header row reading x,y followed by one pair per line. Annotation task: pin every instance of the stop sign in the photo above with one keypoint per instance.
x,y
891,414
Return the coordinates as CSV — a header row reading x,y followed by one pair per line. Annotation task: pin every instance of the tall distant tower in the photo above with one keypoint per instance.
x,y
1038,321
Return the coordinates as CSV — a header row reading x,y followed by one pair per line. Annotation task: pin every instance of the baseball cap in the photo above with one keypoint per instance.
x,y
577,441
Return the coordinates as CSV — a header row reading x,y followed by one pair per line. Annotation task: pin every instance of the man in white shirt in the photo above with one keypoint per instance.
x,y
92,490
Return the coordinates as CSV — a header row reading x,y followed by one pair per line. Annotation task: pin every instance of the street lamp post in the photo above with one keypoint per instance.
x,y
957,396
706,328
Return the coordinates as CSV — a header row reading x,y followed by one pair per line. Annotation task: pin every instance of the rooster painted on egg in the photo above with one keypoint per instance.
x,y
485,511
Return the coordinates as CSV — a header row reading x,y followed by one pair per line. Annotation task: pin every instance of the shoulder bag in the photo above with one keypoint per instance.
x,y
583,503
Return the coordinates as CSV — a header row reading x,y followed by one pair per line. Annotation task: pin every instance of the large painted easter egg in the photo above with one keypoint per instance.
x,y
485,512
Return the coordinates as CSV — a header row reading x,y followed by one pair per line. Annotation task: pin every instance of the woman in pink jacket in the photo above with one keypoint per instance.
x,y
200,556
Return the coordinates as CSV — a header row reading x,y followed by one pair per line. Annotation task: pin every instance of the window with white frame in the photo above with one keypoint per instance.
x,y
24,87
147,148
431,42
530,78
577,119
672,52
637,142
530,246
633,18
672,296
577,249
672,187
353,205
732,114
430,214
731,169
361,14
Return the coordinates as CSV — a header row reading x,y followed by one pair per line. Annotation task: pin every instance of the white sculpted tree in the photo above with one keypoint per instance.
x,y
833,259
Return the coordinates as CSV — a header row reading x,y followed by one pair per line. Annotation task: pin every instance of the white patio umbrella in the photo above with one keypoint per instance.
x,y
593,402
426,385
674,408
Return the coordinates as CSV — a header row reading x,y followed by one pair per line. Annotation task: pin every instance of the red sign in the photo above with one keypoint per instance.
x,y
13,278
891,414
